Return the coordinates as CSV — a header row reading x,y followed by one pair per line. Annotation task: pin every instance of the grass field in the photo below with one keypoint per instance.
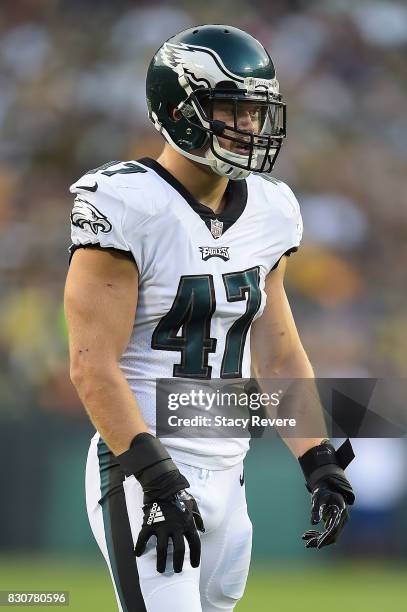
x,y
356,588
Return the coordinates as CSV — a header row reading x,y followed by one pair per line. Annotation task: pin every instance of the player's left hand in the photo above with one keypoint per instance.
x,y
330,507
331,492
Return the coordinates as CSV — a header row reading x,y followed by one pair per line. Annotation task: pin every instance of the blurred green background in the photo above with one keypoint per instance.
x,y
71,98
299,589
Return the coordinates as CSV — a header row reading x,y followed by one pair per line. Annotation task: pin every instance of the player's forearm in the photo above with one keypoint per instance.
x,y
111,405
294,364
306,407
303,403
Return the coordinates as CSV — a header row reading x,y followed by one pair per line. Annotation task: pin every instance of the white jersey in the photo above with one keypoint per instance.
x,y
201,278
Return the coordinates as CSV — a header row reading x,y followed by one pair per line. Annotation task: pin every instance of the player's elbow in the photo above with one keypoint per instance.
x,y
77,376
92,377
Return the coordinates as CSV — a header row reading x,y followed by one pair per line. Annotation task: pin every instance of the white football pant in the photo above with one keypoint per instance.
x,y
219,582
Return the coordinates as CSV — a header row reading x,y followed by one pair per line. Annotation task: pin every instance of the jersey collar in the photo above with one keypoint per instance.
x,y
235,194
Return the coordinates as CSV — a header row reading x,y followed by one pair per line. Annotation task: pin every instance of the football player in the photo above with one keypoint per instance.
x,y
177,270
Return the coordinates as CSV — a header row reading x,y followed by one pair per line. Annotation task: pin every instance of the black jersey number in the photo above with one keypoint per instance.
x,y
192,312
239,286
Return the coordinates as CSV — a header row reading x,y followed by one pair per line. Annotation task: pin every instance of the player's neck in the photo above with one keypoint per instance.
x,y
206,187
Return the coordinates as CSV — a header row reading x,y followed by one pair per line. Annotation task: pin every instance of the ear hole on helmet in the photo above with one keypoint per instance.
x,y
173,113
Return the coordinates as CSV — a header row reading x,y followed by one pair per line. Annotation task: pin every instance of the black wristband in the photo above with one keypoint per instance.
x,y
145,451
323,455
323,463
148,460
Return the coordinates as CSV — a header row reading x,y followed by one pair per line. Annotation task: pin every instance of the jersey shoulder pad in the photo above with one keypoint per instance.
x,y
268,178
279,197
107,210
297,224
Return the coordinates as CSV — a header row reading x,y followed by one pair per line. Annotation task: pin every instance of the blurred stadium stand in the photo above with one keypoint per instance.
x,y
72,97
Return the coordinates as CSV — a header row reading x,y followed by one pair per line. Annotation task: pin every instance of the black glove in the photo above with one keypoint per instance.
x,y
323,469
173,518
169,511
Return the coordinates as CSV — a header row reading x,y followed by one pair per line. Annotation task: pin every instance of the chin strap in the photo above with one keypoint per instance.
x,y
228,169
223,168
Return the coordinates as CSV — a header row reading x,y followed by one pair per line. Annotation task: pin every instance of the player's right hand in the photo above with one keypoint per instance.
x,y
175,517
169,511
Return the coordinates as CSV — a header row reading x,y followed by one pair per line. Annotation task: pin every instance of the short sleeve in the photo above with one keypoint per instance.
x,y
97,215
284,217
295,227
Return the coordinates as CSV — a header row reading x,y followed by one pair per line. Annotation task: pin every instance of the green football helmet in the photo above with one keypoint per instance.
x,y
202,85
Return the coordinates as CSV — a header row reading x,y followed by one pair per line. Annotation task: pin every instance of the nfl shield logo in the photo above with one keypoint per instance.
x,y
216,228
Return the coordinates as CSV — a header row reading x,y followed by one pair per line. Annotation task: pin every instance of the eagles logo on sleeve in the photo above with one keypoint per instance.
x,y
85,213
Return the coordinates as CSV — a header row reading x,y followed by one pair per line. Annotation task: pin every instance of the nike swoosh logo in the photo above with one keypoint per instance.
x,y
241,480
94,188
